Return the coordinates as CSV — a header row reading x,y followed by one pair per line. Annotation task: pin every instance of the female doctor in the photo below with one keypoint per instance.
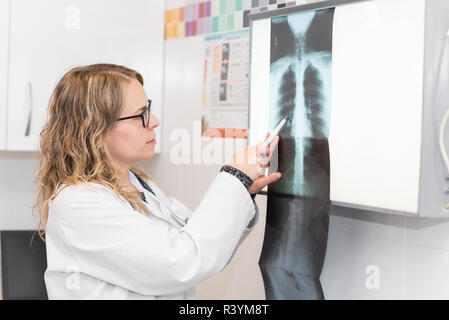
x,y
110,232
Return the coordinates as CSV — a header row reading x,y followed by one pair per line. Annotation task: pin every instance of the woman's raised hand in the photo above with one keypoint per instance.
x,y
254,160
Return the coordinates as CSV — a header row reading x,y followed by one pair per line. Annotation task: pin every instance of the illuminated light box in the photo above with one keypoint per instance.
x,y
374,94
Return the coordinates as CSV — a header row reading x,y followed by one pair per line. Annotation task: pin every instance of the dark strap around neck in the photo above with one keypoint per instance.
x,y
143,183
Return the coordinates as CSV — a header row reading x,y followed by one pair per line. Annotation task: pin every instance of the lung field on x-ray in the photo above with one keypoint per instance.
x,y
300,87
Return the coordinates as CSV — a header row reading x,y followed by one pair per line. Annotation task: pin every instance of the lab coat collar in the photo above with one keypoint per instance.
x,y
158,199
133,179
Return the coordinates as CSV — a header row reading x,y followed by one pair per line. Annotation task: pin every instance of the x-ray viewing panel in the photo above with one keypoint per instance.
x,y
381,51
375,132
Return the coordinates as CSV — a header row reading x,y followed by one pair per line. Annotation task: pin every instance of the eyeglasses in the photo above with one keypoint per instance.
x,y
145,116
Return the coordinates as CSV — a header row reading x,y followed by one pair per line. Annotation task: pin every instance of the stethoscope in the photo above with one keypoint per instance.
x,y
147,187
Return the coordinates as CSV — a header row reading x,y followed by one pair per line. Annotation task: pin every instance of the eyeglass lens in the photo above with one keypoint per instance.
x,y
146,117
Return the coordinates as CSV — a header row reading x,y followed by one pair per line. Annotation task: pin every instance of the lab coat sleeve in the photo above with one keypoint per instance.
x,y
184,213
247,231
146,255
179,208
238,205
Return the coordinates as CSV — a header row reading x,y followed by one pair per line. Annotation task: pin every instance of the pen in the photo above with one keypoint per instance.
x,y
275,131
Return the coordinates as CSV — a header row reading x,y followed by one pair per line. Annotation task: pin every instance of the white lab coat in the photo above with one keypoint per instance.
x,y
99,247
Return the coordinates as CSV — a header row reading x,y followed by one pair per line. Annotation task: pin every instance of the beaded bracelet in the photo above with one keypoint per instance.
x,y
247,181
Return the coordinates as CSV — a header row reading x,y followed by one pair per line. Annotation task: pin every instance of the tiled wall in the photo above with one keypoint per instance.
x,y
16,190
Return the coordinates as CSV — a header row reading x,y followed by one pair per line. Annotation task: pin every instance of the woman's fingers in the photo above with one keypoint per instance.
x,y
262,151
263,180
264,154
273,145
272,178
262,160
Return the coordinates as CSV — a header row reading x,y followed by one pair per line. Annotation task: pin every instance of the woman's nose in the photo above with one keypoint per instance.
x,y
154,122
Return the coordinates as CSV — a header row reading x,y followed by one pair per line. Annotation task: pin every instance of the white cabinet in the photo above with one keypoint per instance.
x,y
4,30
48,37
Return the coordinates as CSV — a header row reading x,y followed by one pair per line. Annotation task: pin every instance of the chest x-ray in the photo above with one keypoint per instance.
x,y
298,204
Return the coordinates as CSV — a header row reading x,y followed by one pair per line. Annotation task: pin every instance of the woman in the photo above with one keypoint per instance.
x,y
110,232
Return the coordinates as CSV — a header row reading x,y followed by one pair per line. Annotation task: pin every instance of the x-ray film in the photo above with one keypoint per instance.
x,y
298,204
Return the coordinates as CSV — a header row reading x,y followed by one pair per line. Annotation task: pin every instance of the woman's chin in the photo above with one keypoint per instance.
x,y
149,153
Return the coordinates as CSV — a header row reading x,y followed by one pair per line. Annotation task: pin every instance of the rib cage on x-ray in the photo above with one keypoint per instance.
x,y
297,209
300,92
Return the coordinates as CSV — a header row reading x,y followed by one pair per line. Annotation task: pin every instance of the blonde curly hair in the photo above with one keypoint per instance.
x,y
83,108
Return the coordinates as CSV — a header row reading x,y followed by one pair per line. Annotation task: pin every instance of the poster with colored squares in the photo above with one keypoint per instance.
x,y
217,16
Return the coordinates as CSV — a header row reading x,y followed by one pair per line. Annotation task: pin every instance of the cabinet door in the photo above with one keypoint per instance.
x,y
4,27
49,37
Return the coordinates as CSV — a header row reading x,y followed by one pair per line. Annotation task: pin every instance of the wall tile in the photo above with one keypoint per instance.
x,y
367,223
353,260
5,211
426,273
21,210
432,233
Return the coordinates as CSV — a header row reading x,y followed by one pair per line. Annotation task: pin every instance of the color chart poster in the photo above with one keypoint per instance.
x,y
298,204
217,16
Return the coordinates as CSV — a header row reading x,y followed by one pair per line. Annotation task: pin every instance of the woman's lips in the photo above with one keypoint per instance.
x,y
152,141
